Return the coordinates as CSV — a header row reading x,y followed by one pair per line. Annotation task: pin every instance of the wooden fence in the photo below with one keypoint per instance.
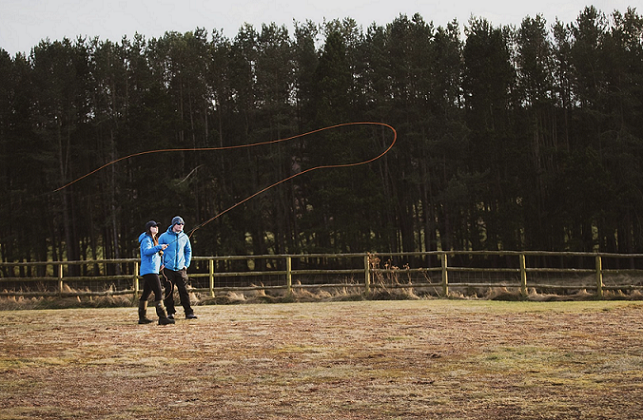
x,y
367,272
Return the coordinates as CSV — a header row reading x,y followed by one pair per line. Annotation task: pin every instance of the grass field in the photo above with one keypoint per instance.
x,y
409,359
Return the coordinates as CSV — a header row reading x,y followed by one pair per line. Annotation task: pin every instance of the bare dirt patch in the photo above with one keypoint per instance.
x,y
437,359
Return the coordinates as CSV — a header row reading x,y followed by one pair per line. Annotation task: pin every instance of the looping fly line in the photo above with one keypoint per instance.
x,y
203,149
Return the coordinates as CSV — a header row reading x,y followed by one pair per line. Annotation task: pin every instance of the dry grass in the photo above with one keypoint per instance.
x,y
333,294
402,359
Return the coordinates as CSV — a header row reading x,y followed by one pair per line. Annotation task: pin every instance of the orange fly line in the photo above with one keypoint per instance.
x,y
343,165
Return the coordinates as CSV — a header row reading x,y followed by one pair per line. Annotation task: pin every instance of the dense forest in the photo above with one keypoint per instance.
x,y
509,138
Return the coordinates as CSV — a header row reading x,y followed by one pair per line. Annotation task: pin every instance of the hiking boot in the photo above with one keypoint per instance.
x,y
142,313
166,321
160,311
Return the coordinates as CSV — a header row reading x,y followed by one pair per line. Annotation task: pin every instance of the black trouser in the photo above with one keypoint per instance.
x,y
180,279
152,283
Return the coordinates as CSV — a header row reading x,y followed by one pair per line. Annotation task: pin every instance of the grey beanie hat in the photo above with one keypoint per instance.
x,y
177,220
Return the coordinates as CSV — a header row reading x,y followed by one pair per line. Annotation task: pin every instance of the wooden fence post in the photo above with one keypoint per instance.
x,y
211,267
599,277
523,276
60,278
288,275
135,280
445,276
367,274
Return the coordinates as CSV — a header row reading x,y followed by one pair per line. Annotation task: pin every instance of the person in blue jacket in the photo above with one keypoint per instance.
x,y
151,253
176,260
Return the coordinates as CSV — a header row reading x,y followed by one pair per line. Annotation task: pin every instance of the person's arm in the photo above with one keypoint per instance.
x,y
188,253
148,249
163,241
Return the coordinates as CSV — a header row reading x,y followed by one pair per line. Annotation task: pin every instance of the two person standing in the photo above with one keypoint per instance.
x,y
169,255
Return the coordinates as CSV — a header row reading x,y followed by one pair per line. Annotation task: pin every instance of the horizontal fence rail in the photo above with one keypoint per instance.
x,y
437,271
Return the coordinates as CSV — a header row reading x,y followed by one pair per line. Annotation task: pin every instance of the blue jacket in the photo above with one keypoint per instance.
x,y
178,253
150,258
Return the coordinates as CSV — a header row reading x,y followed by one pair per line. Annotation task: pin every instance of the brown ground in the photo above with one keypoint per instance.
x,y
414,359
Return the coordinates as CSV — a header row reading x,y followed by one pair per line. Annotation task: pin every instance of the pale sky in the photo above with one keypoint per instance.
x,y
24,23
